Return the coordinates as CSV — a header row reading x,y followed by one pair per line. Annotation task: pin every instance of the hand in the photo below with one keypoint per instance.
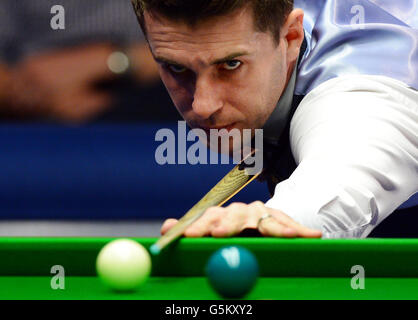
x,y
4,84
143,66
61,84
232,220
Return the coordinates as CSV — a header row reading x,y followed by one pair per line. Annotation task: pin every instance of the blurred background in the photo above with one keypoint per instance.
x,y
80,103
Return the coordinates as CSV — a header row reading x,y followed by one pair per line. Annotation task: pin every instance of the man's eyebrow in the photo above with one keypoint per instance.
x,y
229,57
217,61
167,61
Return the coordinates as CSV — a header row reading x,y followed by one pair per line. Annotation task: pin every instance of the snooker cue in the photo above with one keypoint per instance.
x,y
236,180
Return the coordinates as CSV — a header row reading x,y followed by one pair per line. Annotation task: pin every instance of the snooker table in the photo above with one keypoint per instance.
x,y
289,269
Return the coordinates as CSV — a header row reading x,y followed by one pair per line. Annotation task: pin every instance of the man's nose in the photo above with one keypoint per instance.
x,y
206,100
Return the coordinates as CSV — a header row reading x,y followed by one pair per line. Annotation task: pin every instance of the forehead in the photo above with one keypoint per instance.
x,y
233,31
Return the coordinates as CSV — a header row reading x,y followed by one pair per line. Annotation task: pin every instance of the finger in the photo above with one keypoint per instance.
x,y
258,209
167,225
272,228
301,230
204,225
233,222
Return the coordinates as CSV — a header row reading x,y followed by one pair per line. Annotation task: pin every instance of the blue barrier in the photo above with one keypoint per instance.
x,y
98,172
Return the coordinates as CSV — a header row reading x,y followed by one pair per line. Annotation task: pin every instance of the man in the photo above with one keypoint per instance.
x,y
336,100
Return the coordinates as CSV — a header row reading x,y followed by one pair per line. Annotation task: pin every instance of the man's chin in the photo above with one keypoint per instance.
x,y
231,144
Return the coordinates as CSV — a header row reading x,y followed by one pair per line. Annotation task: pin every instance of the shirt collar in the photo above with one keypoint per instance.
x,y
278,120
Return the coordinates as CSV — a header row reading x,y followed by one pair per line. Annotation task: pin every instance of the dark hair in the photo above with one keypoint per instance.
x,y
269,15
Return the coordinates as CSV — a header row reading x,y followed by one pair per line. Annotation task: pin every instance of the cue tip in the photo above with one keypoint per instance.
x,y
155,249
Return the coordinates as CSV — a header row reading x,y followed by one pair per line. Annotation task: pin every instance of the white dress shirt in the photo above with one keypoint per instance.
x,y
354,139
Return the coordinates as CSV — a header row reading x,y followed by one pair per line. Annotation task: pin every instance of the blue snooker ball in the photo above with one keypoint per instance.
x,y
232,271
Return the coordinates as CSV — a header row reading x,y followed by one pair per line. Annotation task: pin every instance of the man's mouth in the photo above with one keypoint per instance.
x,y
227,127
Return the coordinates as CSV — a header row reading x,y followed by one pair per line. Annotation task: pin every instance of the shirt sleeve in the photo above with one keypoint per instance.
x,y
355,142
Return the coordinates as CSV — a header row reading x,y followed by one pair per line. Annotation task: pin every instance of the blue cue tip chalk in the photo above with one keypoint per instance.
x,y
155,249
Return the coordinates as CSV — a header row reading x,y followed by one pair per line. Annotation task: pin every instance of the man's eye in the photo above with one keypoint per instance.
x,y
232,65
177,69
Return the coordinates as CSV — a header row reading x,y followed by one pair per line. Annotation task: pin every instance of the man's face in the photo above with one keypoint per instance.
x,y
222,73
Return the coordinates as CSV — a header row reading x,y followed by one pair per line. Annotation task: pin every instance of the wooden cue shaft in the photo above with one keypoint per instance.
x,y
224,190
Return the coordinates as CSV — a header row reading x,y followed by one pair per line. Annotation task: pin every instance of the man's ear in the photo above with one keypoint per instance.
x,y
292,33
